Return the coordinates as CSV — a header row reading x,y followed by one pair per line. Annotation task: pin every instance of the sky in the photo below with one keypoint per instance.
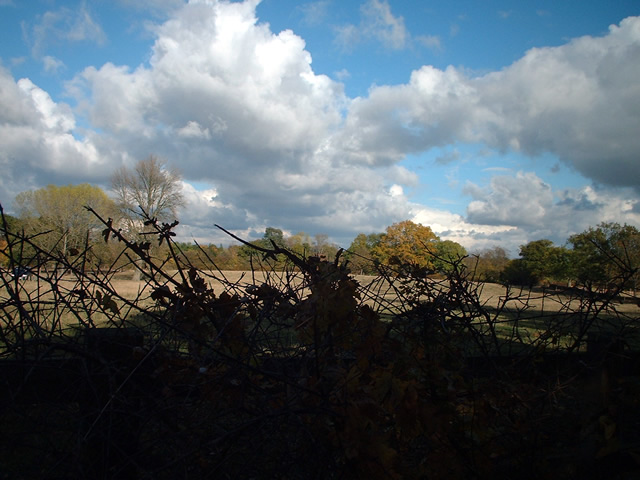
x,y
495,123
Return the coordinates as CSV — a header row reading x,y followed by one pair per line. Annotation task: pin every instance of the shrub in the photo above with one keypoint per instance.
x,y
309,374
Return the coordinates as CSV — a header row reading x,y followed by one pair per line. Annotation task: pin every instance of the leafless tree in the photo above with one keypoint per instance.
x,y
151,187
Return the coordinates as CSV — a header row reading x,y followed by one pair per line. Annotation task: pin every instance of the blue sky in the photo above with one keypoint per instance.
x,y
495,123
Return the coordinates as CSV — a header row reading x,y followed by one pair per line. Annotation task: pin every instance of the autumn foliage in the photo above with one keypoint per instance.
x,y
407,243
311,374
4,252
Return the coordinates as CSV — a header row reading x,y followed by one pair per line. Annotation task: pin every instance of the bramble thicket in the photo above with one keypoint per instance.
x,y
302,370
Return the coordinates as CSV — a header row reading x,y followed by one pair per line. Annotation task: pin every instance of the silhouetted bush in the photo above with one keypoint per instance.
x,y
307,374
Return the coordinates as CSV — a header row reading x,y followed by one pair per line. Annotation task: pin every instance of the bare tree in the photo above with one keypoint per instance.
x,y
151,187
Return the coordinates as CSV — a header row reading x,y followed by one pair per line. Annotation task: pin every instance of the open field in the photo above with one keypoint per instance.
x,y
490,293
542,301
526,313
165,390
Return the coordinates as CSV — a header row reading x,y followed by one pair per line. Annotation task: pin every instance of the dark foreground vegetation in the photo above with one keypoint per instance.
x,y
309,374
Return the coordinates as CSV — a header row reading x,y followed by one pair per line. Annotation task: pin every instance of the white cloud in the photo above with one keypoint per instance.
x,y
15,61
430,41
314,13
518,201
38,145
55,117
380,23
194,130
52,64
432,110
157,6
396,190
450,226
347,36
534,210
239,108
64,25
135,95
579,101
84,27
514,210
342,74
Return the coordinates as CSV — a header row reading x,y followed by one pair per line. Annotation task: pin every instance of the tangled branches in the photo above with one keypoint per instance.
x,y
303,372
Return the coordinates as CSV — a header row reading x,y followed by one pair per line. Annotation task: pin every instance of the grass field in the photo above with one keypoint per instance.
x,y
496,408
522,312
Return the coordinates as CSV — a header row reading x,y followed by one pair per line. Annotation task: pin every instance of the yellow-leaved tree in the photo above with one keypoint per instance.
x,y
407,243
57,214
4,252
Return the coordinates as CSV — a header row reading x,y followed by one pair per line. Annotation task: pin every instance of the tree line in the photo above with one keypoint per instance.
x,y
56,219
436,383
599,256
594,259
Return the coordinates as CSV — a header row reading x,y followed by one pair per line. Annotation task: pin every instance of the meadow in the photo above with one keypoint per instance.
x,y
528,314
220,373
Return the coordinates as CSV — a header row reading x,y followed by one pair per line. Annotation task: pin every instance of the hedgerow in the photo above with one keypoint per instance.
x,y
307,374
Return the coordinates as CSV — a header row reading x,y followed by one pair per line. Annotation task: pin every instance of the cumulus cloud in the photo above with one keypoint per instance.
x,y
347,36
579,101
238,107
474,237
500,216
533,210
518,201
194,130
38,145
396,190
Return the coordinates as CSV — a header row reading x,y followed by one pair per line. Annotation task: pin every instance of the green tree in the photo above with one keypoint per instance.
x,y
233,259
544,260
8,224
489,264
407,243
59,215
300,243
321,244
360,253
446,254
540,262
516,273
323,247
607,254
273,236
270,237
4,252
